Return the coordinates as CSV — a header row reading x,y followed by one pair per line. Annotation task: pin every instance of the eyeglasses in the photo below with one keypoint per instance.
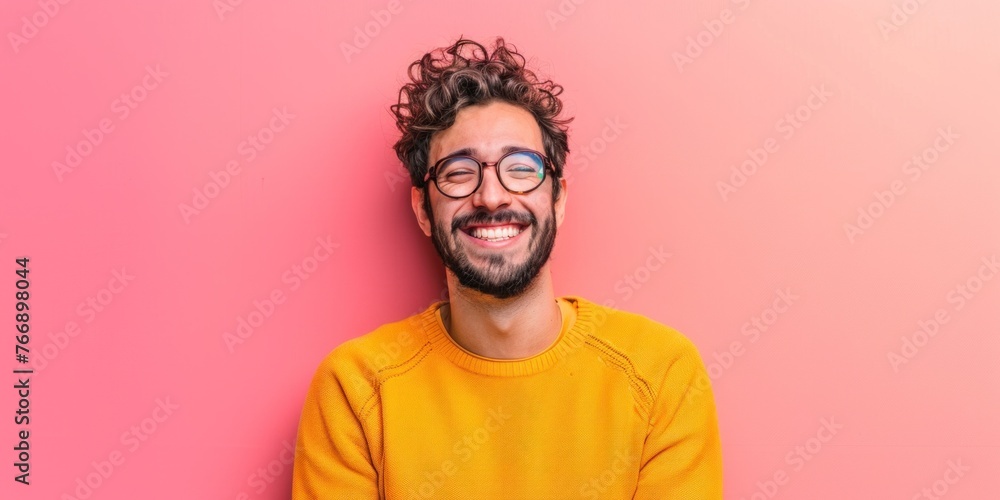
x,y
519,172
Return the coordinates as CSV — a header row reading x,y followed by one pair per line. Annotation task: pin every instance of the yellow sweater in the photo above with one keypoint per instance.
x,y
619,406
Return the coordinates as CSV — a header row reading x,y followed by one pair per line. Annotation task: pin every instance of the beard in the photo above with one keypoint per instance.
x,y
501,277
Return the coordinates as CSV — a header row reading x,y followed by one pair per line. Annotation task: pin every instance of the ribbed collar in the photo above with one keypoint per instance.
x,y
571,337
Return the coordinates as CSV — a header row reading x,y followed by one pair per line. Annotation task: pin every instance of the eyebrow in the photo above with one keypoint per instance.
x,y
473,151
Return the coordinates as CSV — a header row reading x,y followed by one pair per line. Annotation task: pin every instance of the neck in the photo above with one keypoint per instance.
x,y
513,328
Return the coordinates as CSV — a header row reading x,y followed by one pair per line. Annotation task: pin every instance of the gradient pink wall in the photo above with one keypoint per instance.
x,y
823,175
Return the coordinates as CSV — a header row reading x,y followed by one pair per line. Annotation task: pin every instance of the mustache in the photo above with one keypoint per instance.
x,y
499,217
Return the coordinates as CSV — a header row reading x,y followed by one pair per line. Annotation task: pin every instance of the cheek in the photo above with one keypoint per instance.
x,y
441,217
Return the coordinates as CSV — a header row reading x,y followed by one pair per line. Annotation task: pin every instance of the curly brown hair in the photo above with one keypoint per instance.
x,y
441,86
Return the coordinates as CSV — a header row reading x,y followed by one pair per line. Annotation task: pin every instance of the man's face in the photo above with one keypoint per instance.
x,y
459,228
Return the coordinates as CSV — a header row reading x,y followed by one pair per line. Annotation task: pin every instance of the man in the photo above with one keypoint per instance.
x,y
504,391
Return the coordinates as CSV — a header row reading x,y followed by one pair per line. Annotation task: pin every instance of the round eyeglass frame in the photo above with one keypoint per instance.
x,y
483,164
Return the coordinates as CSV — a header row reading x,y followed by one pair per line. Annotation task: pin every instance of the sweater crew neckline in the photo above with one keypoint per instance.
x,y
571,336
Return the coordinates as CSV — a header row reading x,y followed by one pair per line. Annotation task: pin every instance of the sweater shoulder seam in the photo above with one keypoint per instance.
x,y
642,393
381,376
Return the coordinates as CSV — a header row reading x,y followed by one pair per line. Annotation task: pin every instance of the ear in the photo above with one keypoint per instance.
x,y
560,205
416,199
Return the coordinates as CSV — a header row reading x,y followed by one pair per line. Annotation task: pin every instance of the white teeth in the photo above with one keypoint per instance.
x,y
496,233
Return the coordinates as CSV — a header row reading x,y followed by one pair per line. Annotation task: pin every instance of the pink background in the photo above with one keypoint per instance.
x,y
843,94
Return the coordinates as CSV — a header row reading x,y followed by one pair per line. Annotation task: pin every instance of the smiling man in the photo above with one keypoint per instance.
x,y
504,391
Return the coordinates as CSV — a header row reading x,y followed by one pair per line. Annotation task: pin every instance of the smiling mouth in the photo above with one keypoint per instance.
x,y
495,233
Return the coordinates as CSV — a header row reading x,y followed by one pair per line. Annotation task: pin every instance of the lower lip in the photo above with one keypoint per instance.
x,y
496,244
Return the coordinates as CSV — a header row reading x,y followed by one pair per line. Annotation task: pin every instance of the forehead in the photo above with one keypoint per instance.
x,y
487,131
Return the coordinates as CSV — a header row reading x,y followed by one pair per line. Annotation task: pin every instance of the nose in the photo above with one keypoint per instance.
x,y
491,195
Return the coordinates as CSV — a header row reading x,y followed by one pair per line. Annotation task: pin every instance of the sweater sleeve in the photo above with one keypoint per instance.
x,y
682,455
332,458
